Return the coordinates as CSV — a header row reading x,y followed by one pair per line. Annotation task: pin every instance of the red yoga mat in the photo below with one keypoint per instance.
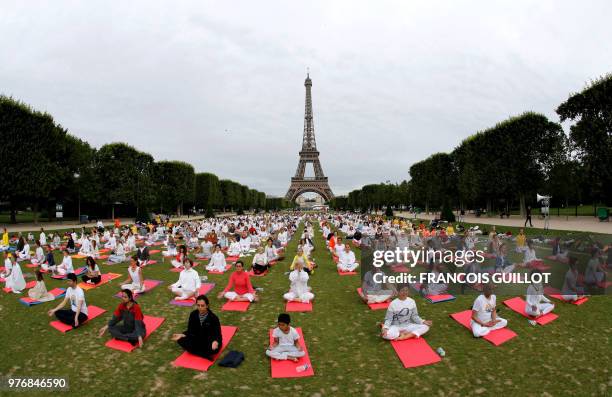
x,y
556,294
29,284
227,267
105,279
287,368
374,306
191,361
56,292
518,305
231,306
204,289
496,337
151,324
32,265
294,306
154,252
250,272
439,298
94,311
341,273
415,352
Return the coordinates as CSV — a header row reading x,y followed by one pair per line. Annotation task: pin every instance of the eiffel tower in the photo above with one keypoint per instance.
x,y
309,154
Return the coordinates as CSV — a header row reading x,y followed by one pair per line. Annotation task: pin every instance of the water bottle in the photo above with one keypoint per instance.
x,y
302,368
441,352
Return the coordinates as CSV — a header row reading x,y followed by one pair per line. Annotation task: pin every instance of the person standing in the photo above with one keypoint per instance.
x,y
528,217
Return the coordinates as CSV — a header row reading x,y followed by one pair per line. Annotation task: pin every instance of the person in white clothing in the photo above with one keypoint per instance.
x,y
339,248
42,237
135,280
119,254
205,250
217,261
346,261
188,283
402,320
65,267
245,243
39,255
111,243
78,312
299,289
24,254
86,247
285,341
529,253
571,291
537,304
13,276
484,313
234,247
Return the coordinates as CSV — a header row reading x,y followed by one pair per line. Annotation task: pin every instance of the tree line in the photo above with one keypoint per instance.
x,y
505,166
44,165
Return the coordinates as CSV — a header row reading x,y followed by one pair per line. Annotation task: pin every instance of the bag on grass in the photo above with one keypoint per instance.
x,y
232,359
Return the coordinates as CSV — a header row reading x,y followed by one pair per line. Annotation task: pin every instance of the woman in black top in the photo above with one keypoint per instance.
x,y
203,336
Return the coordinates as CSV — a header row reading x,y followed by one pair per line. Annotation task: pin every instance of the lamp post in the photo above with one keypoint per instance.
x,y
77,176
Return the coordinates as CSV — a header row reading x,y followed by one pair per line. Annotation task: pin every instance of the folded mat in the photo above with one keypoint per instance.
x,y
191,361
232,306
151,324
496,337
556,294
29,284
288,368
148,284
56,292
227,267
94,311
439,298
106,277
374,306
77,272
204,289
294,306
518,305
415,352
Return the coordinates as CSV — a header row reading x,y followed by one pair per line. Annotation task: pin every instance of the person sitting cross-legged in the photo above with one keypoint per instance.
x,y
299,289
346,261
402,320
188,284
77,314
286,341
484,313
203,336
239,286
127,322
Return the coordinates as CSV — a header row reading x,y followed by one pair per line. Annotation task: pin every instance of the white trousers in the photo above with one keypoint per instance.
x,y
541,309
183,293
480,330
394,331
379,298
231,295
348,268
304,297
134,287
282,352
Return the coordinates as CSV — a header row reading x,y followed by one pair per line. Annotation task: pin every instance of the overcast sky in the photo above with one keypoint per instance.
x,y
393,82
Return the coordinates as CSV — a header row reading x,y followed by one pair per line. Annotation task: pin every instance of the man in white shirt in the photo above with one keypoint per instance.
x,y
402,320
484,313
77,314
188,283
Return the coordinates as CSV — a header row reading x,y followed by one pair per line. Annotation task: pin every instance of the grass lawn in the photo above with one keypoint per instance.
x,y
569,357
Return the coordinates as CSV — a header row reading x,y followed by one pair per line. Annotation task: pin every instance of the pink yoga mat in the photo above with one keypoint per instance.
x,y
106,277
518,305
56,292
148,284
154,252
151,324
287,368
415,352
232,258
94,311
231,306
496,337
227,267
204,289
29,284
188,360
345,273
374,306
31,265
77,272
298,306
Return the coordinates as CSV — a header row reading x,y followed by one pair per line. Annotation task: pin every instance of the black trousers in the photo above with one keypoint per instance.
x,y
528,219
198,348
259,269
66,316
95,279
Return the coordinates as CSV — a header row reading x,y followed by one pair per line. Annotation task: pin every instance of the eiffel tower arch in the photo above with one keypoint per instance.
x,y
309,154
